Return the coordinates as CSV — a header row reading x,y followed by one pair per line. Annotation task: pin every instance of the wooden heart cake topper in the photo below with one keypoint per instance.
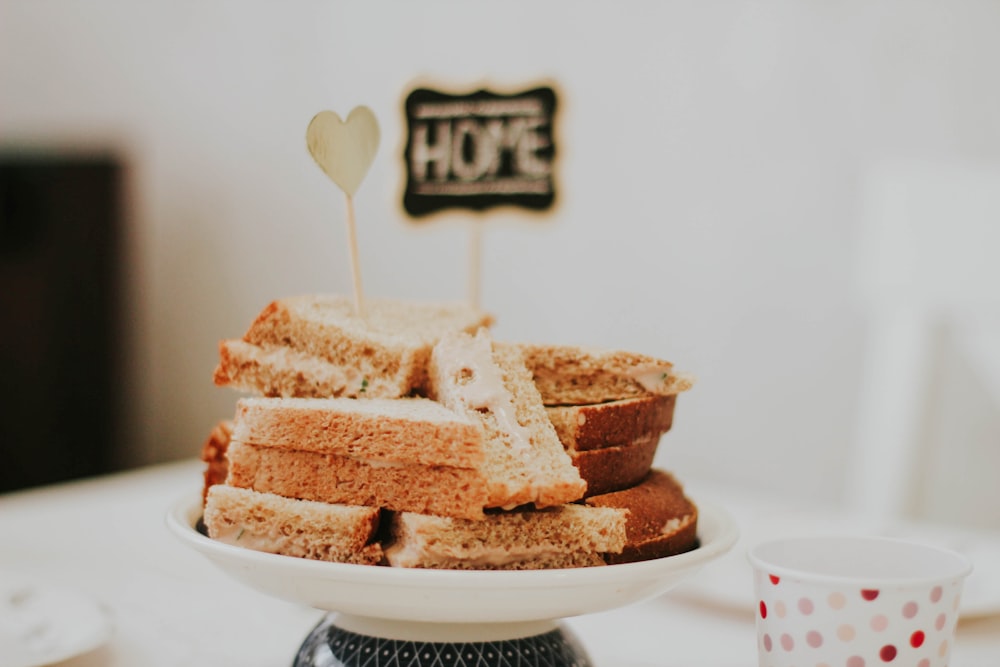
x,y
344,150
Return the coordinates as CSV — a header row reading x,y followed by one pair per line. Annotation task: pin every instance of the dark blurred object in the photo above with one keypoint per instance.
x,y
59,263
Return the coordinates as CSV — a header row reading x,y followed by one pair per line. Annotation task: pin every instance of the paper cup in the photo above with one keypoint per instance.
x,y
855,602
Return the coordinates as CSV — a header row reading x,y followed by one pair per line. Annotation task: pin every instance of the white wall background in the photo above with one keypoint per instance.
x,y
712,162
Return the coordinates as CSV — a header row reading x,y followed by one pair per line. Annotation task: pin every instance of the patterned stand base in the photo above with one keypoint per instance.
x,y
331,646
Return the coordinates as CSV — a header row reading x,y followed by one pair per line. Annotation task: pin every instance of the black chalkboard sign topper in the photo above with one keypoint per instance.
x,y
479,151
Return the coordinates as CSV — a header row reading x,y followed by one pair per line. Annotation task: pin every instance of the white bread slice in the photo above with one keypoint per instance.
x,y
301,528
432,489
525,462
572,375
317,346
563,536
404,430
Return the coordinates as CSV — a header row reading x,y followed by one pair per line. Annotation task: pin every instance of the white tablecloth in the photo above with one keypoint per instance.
x,y
107,538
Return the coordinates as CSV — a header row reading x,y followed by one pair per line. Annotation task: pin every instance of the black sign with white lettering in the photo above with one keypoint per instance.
x,y
479,151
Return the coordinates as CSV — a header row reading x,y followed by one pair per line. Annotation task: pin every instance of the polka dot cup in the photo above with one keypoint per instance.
x,y
855,602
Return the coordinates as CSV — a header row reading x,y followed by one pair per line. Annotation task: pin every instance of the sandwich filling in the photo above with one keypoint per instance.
x,y
479,385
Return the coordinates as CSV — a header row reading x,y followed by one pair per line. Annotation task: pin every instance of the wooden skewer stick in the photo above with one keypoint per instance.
x,y
475,270
352,239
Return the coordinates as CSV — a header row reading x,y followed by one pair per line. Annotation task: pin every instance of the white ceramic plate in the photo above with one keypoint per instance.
x,y
453,596
42,624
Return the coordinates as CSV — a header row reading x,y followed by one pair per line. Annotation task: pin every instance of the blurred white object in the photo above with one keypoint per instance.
x,y
41,624
928,266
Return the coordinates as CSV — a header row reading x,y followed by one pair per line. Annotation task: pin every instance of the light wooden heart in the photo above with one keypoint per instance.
x,y
344,149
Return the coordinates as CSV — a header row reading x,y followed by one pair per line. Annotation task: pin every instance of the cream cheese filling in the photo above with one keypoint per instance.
x,y
479,385
655,379
410,552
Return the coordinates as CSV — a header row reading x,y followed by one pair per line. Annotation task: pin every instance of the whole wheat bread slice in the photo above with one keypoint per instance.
x,y
301,528
318,346
613,444
616,468
271,370
404,430
447,490
572,375
563,536
612,424
662,521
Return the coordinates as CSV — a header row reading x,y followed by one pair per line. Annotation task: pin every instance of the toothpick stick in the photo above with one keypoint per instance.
x,y
352,239
475,253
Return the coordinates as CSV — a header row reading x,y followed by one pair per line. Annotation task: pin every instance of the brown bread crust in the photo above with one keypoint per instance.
x,y
662,521
612,424
213,453
613,444
616,468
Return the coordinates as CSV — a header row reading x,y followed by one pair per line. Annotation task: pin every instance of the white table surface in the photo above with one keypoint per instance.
x,y
106,538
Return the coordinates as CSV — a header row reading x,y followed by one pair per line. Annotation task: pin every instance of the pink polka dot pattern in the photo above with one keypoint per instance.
x,y
860,627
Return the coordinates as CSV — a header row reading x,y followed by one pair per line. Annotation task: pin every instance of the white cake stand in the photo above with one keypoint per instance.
x,y
450,618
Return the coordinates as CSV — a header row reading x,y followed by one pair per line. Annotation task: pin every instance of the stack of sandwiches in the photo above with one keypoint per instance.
x,y
411,438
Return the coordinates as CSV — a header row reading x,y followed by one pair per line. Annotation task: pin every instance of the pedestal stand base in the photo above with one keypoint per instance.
x,y
354,641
